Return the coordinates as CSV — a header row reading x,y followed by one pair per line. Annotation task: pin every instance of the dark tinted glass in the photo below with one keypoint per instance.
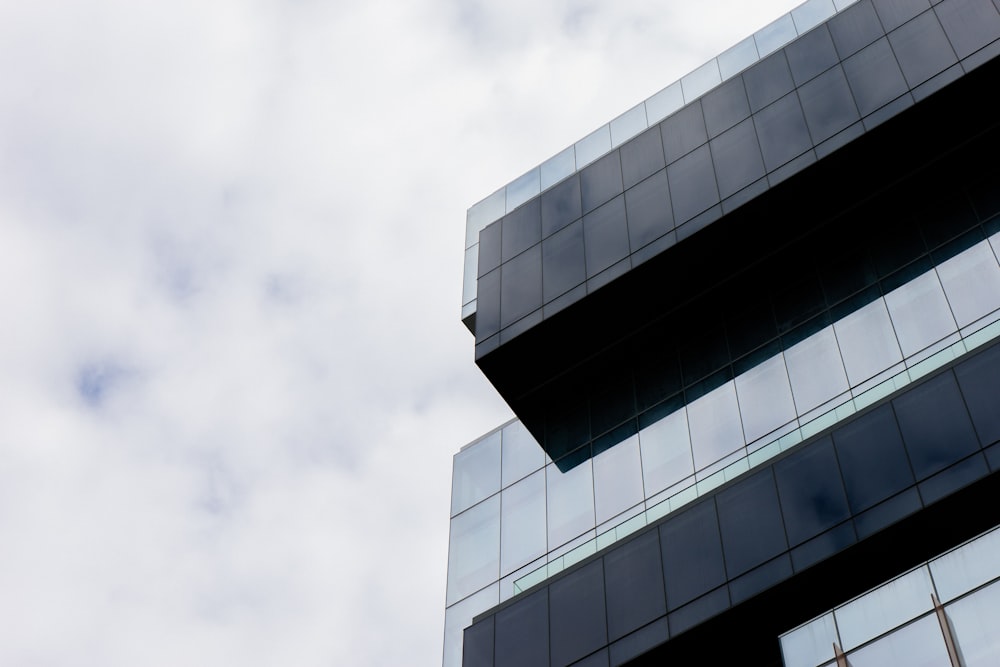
x,y
750,521
522,632
563,263
887,513
577,617
488,305
782,131
921,48
634,576
874,76
692,184
935,425
768,80
639,642
605,236
647,206
872,458
692,554
477,646
854,28
683,132
823,546
993,457
828,104
811,54
812,495
969,24
521,229
601,181
599,659
953,478
894,13
656,379
725,106
611,401
561,205
642,156
736,155
698,611
760,578
846,272
800,299
979,379
521,286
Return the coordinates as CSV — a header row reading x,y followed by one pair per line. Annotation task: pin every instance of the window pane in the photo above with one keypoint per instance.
x,y
963,569
919,644
811,644
521,453
522,523
971,281
885,608
617,479
765,398
715,425
975,620
816,370
474,549
476,473
570,502
867,342
666,452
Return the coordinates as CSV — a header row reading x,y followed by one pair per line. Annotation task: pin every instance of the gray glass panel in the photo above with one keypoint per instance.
x,y
520,453
884,608
647,207
874,76
692,184
811,13
775,35
474,549
522,523
666,452
692,554
488,307
561,205
828,104
867,342
459,616
557,167
765,398
605,236
629,124
563,263
768,80
683,132
664,103
521,230
919,644
969,24
811,54
701,80
812,496
920,313
971,281
469,275
737,58
570,502
601,181
477,647
979,379
593,146
577,616
642,156
522,632
894,13
975,620
967,567
782,131
476,473
522,189
489,248
855,28
810,644
922,48
634,575
521,286
715,425
617,479
872,460
479,215
816,370
750,522
725,106
737,159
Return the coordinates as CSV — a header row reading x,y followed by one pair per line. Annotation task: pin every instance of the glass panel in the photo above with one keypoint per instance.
x,y
750,522
765,398
561,206
920,313
593,146
816,370
476,473
768,80
921,48
828,104
775,35
782,131
634,576
967,567
617,479
737,159
867,342
601,181
715,425
895,13
605,236
971,282
521,230
577,615
523,189
521,453
919,644
692,183
459,616
666,452
647,208
683,132
872,460
642,156
522,523
855,28
469,277
737,58
563,263
885,608
474,549
557,167
812,495
570,502
629,124
975,620
479,215
725,106
970,24
700,81
811,13
521,286
810,644
692,554
522,632
664,103
874,76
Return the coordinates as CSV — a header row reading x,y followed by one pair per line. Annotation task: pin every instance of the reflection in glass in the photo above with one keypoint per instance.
x,y
775,35
968,566
522,523
570,502
557,167
617,479
701,80
593,146
810,644
715,425
816,370
664,103
971,282
629,124
737,58
458,617
666,452
474,549
476,473
521,453
522,189
765,398
920,313
885,608
919,644
867,342
975,620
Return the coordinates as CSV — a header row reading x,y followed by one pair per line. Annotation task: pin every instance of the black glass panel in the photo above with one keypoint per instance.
x,y
969,24
985,195
656,379
599,659
812,495
801,299
979,379
823,546
634,576
489,248
692,554
521,229
605,236
759,579
828,105
639,642
521,286
750,521
601,181
642,156
699,611
953,478
846,271
561,205
647,206
703,350
768,80
563,264
993,457
855,27
737,159
874,76
725,106
935,425
522,632
782,131
811,54
692,184
477,646
872,458
683,132
576,615
921,48
488,305
887,513
611,401
895,13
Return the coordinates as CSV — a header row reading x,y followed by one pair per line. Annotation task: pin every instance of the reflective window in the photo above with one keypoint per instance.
x,y
629,124
523,189
664,103
593,146
715,425
919,644
971,281
810,644
666,452
617,479
867,342
701,80
765,398
474,549
476,473
459,616
570,502
967,567
920,313
522,523
775,35
816,370
737,58
885,608
521,453
557,167
974,621
921,48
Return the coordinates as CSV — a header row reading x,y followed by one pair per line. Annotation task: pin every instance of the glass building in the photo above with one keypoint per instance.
x,y
751,332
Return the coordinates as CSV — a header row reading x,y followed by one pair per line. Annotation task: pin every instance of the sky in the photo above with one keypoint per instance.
x,y
232,369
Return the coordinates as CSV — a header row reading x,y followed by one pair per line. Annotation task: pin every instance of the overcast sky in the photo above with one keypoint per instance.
x,y
232,368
